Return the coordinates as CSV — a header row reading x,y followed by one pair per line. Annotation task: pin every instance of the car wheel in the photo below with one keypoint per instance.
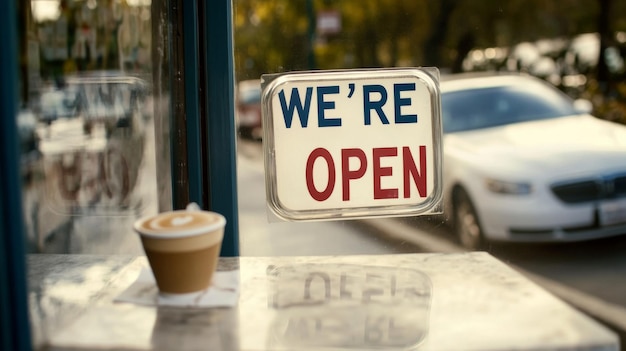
x,y
466,223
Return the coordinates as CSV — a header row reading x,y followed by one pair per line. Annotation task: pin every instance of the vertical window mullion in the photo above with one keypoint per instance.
x,y
193,94
179,131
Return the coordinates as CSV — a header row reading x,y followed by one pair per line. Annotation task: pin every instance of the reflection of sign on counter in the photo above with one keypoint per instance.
x,y
348,306
346,144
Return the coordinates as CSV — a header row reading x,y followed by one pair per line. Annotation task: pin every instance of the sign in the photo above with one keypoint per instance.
x,y
328,22
352,143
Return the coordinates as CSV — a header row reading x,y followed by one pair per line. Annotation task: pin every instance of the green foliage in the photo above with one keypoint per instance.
x,y
274,35
278,35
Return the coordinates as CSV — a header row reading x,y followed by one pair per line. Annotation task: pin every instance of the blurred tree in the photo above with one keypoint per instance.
x,y
441,12
404,28
273,35
606,39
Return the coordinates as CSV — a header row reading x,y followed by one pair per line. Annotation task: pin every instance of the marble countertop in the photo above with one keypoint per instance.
x,y
468,301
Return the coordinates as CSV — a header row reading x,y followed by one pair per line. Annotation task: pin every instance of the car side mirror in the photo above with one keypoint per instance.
x,y
583,106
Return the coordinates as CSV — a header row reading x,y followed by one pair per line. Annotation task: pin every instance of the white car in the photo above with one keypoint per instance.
x,y
524,162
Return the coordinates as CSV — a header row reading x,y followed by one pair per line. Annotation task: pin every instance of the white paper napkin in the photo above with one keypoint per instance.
x,y
223,292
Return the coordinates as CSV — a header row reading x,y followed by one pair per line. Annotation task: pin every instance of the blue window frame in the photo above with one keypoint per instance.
x,y
14,334
217,27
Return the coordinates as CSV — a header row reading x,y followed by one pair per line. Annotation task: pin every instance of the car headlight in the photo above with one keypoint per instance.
x,y
502,187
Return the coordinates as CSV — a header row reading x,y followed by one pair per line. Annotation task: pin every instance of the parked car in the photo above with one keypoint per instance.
x,y
524,162
248,112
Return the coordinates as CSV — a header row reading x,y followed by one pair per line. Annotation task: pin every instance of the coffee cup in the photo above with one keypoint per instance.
x,y
182,247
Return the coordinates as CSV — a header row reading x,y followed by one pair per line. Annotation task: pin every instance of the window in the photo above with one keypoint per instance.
x,y
122,112
87,110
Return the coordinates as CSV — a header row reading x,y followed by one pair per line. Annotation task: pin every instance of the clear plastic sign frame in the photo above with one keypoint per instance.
x,y
347,144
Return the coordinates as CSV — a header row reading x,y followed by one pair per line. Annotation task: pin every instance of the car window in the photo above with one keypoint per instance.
x,y
471,109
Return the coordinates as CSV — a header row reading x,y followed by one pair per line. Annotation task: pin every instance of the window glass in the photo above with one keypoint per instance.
x,y
545,195
533,164
88,123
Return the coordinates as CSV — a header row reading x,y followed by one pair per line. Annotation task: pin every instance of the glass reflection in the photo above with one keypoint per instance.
x,y
87,124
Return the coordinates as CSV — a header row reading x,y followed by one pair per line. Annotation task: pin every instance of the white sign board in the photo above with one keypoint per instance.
x,y
352,143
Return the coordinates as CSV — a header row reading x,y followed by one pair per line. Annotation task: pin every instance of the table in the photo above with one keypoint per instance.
x,y
467,301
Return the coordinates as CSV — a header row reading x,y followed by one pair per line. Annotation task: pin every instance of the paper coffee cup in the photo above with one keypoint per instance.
x,y
183,248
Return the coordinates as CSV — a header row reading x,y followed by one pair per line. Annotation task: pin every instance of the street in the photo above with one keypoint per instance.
x,y
259,236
